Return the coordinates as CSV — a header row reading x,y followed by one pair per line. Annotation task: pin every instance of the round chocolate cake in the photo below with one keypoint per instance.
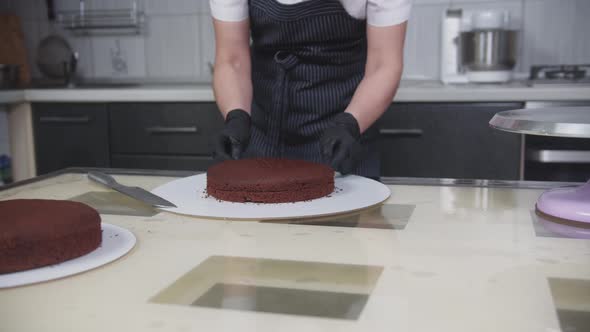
x,y
36,232
269,180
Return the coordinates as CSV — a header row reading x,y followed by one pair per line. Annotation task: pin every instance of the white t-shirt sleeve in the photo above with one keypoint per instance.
x,y
229,10
383,13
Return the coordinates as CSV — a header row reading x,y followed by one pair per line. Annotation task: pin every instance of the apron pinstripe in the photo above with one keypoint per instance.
x,y
307,60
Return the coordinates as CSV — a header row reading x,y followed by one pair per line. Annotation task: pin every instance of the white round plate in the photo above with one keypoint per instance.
x,y
116,242
352,193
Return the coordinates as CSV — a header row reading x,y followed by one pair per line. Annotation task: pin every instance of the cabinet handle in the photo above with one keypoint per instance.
x,y
559,156
171,130
401,132
64,119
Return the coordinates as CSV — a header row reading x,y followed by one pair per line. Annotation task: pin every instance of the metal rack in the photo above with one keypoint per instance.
x,y
83,20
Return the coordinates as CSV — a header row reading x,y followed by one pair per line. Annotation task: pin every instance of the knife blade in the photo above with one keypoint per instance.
x,y
137,193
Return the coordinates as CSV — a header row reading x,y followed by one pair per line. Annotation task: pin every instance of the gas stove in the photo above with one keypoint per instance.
x,y
560,75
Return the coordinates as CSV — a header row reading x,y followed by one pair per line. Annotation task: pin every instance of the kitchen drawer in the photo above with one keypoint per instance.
x,y
450,140
70,135
171,128
183,163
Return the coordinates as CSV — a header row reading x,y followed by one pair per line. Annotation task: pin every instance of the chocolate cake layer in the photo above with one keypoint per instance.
x,y
269,180
35,233
272,196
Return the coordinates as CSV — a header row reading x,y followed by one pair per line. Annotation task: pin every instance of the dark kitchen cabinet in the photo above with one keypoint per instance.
x,y
69,135
188,163
176,136
450,140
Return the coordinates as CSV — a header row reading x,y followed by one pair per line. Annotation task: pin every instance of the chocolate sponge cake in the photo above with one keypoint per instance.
x,y
269,180
35,232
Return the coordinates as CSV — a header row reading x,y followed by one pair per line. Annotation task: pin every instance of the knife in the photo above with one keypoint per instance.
x,y
139,194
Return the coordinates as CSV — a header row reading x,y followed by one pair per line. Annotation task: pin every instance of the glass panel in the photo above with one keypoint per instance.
x,y
277,286
572,302
284,301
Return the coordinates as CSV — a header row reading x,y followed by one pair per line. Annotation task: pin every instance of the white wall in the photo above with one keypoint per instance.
x,y
552,32
178,42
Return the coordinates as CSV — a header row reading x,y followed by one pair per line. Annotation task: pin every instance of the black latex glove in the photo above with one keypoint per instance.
x,y
235,136
340,143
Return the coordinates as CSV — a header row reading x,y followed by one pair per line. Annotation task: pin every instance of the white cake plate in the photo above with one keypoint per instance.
x,y
352,193
116,242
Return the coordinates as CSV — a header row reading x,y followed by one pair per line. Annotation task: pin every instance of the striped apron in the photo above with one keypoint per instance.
x,y
307,61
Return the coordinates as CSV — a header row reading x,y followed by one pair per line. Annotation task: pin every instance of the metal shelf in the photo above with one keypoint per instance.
x,y
82,20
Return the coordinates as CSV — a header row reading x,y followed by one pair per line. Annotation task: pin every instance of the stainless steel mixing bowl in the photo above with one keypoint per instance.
x,y
489,50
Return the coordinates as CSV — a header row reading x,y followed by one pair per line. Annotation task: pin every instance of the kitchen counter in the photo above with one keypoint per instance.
x,y
410,91
437,256
12,96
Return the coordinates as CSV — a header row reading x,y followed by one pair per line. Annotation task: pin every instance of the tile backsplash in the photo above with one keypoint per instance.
x,y
119,57
177,43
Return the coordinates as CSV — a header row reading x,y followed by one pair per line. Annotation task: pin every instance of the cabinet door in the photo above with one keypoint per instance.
x,y
69,135
451,140
164,129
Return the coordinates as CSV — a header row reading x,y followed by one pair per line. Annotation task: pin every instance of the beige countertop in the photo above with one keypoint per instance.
x,y
410,91
447,258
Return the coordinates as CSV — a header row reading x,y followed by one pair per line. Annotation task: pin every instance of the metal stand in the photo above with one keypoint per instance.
x,y
569,203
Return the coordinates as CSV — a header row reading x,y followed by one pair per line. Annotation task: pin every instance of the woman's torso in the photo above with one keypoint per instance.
x,y
376,12
305,68
356,8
